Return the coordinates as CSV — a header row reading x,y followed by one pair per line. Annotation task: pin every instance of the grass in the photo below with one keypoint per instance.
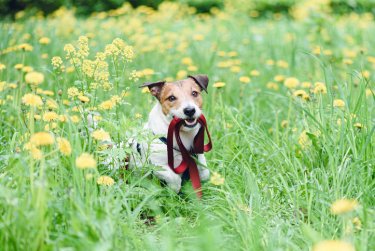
x,y
285,159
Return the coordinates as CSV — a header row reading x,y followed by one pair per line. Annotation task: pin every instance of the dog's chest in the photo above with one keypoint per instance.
x,y
187,139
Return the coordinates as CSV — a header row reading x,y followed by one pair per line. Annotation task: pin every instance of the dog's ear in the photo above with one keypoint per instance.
x,y
201,80
154,87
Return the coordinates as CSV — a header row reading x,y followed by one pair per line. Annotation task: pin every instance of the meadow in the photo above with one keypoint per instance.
x,y
290,108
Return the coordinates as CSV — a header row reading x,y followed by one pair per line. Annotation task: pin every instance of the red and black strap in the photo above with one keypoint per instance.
x,y
188,161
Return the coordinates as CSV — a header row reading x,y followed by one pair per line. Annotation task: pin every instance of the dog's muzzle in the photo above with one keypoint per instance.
x,y
190,121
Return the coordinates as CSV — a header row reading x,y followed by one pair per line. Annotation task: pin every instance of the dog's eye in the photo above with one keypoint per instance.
x,y
172,98
195,94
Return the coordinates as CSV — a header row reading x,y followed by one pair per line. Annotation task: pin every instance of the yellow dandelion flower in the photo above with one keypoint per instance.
x,y
105,181
198,37
302,94
75,109
18,66
279,78
83,99
50,116
366,74
48,127
2,67
100,135
51,104
42,139
145,90
2,86
327,52
343,206
26,47
358,125
347,61
70,69
235,69
306,84
338,103
270,62
350,53
107,105
333,245
232,54
254,73
64,146
245,79
31,99
48,93
75,119
73,91
223,54
218,85
138,115
320,88
284,123
272,86
181,74
34,78
357,223
85,160
116,99
216,179
224,64
44,40
193,68
317,50
291,83
304,140
36,153
12,86
187,61
148,72
282,64
27,69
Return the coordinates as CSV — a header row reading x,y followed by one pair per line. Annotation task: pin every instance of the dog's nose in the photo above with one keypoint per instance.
x,y
189,111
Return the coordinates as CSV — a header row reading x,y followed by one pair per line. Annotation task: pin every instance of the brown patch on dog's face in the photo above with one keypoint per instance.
x,y
175,95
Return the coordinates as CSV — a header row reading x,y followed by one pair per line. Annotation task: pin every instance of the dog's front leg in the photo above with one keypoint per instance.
x,y
172,179
204,173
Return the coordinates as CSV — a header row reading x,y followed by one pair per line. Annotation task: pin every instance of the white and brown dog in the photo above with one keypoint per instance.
x,y
181,99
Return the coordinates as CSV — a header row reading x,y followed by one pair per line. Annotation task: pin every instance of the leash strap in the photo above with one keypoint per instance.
x,y
188,161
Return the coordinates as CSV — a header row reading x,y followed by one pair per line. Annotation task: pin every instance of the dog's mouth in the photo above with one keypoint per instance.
x,y
190,122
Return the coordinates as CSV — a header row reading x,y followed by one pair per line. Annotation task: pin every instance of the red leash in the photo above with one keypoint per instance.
x,y
187,160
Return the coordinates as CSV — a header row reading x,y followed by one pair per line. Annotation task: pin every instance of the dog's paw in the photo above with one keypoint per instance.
x,y
204,174
175,185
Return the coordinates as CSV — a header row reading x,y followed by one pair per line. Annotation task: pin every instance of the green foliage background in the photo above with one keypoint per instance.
x,y
86,7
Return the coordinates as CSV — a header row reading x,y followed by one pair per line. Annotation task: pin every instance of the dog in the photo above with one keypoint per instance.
x,y
180,99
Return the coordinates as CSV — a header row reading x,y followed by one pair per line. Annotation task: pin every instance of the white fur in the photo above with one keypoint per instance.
x,y
156,152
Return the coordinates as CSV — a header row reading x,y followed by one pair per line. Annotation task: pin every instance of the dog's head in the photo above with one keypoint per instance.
x,y
182,98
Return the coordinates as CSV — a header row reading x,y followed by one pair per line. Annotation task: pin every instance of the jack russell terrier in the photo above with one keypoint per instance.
x,y
180,100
